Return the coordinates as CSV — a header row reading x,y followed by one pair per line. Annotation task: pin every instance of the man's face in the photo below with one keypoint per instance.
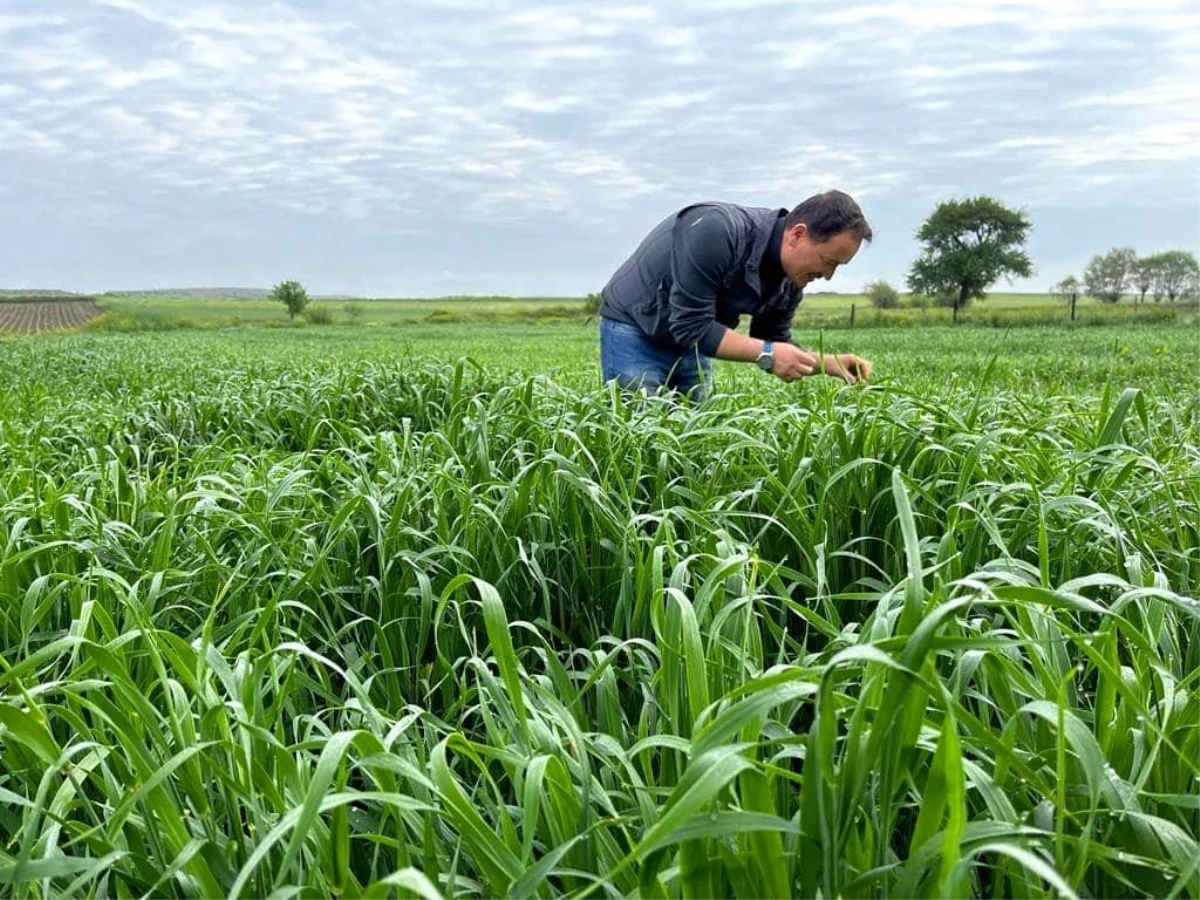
x,y
804,260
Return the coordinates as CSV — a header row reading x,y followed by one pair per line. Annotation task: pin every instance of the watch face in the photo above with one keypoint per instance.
x,y
766,362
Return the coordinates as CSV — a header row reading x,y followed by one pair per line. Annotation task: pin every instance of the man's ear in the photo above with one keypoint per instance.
x,y
797,232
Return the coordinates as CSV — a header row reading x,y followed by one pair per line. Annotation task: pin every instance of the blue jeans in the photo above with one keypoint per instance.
x,y
630,358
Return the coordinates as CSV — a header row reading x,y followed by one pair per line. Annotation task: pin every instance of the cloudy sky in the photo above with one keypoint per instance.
x,y
433,147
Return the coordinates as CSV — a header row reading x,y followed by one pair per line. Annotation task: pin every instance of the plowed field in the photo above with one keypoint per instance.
x,y
45,315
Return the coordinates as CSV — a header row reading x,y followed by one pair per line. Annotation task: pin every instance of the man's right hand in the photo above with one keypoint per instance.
x,y
791,362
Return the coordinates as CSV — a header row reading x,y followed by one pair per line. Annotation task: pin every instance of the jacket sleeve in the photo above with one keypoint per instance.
x,y
702,254
773,325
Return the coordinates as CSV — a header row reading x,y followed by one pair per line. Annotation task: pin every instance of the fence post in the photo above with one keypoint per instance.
x,y
1073,296
852,305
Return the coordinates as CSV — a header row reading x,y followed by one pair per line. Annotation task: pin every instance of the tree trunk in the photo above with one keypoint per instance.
x,y
960,300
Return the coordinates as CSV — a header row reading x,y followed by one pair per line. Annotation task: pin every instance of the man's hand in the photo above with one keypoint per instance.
x,y
848,367
791,362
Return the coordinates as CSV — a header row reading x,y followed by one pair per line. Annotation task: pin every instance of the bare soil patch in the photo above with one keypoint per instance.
x,y
31,317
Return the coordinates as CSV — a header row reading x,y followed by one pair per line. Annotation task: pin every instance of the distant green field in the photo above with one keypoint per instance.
x,y
218,311
826,310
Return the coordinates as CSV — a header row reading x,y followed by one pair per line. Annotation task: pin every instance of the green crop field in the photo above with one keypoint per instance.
x,y
158,312
225,312
425,611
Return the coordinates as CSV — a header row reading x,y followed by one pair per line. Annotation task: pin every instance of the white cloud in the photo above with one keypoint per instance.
x,y
674,37
810,168
9,24
1174,94
924,72
13,134
648,111
927,15
553,25
527,101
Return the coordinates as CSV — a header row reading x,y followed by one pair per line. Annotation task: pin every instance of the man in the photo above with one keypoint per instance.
x,y
674,304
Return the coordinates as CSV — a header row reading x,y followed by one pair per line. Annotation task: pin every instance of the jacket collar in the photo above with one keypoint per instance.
x,y
764,225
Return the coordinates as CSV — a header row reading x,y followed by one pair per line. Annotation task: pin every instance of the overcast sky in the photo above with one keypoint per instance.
x,y
433,147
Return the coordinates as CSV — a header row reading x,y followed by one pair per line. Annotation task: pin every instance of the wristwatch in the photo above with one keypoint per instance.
x,y
766,359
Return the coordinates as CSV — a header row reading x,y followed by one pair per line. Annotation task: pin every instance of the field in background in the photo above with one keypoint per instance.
x,y
35,316
826,310
218,311
367,611
22,314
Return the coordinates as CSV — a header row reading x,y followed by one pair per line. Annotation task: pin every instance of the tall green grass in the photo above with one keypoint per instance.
x,y
278,623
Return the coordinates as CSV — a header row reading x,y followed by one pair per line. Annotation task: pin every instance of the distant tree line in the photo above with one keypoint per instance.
x,y
1171,275
970,244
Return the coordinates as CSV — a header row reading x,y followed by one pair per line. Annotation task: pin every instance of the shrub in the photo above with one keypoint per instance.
x,y
882,295
319,314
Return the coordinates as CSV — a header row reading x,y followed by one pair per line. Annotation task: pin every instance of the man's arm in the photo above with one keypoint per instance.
x,y
702,250
773,325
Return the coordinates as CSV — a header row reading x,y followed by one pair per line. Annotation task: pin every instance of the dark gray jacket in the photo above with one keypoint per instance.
x,y
696,273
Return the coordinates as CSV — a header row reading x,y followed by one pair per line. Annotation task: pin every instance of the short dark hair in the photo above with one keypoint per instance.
x,y
828,214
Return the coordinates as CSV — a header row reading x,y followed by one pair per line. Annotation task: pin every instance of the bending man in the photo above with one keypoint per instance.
x,y
676,302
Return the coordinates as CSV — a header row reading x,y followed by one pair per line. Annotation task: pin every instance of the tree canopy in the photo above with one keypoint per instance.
x,y
292,295
1176,274
1109,275
969,245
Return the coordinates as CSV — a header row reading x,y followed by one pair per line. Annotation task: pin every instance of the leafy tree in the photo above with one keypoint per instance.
x,y
1192,291
292,295
1178,274
882,295
969,244
592,303
1066,288
1145,274
1158,290
1108,275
